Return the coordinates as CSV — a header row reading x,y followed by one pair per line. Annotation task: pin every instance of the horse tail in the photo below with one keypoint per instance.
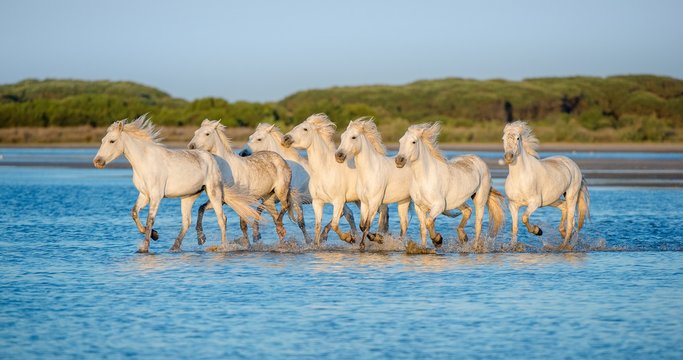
x,y
584,203
237,198
496,214
294,200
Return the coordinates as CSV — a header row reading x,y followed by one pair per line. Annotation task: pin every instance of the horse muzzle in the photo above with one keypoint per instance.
x,y
340,157
245,152
99,162
509,157
287,141
400,161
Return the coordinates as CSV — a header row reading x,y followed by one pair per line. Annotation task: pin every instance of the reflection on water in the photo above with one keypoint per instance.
x,y
72,284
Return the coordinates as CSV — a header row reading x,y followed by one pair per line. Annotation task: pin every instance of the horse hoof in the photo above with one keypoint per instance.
x,y
155,235
174,249
437,241
538,231
378,238
361,247
462,236
201,239
142,251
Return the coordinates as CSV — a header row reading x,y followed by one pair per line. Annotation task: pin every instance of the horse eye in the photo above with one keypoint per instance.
x,y
258,139
414,142
207,134
305,129
353,138
112,141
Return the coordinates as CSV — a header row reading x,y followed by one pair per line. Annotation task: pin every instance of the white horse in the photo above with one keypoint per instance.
x,y
265,175
535,183
162,173
440,184
379,181
330,181
268,137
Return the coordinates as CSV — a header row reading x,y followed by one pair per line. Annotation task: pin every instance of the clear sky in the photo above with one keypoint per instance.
x,y
266,50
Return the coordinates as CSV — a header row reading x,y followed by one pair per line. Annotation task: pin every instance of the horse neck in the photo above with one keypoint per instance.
x,y
368,159
321,155
426,165
524,163
223,150
136,151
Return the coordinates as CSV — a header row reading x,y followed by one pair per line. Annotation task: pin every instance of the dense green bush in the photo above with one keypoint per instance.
x,y
627,108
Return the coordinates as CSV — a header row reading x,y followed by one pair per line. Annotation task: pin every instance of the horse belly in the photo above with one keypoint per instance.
x,y
188,184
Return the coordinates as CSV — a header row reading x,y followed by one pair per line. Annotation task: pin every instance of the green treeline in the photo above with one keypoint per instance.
x,y
617,108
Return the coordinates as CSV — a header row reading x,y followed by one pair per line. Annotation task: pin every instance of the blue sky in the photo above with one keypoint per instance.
x,y
266,50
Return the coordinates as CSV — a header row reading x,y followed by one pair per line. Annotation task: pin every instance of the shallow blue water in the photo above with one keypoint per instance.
x,y
85,155
71,284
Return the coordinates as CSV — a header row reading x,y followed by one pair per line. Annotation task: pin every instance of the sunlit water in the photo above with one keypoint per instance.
x,y
71,284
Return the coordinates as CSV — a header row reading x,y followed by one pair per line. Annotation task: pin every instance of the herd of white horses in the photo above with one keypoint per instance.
x,y
271,169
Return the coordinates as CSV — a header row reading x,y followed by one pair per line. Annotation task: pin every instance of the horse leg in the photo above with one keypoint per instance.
x,y
466,211
479,201
364,224
318,214
141,202
383,222
560,204
282,194
215,194
423,228
301,222
255,226
370,213
338,208
403,208
269,205
437,239
348,214
514,213
186,211
244,240
201,238
151,215
530,208
570,204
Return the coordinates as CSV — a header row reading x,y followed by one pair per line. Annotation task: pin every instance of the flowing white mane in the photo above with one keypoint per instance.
x,y
529,140
323,125
140,128
366,126
429,133
220,130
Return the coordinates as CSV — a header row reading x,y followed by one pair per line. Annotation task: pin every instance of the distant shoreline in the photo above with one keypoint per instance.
x,y
561,147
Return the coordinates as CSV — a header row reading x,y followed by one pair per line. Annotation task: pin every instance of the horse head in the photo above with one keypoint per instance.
x,y
315,126
112,146
414,140
206,137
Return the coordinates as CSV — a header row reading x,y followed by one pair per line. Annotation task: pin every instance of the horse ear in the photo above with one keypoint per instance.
x,y
271,127
119,126
206,122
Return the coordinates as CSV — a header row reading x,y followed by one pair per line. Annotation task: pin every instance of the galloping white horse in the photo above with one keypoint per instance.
x,y
535,183
162,173
268,137
330,181
379,181
264,175
440,184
